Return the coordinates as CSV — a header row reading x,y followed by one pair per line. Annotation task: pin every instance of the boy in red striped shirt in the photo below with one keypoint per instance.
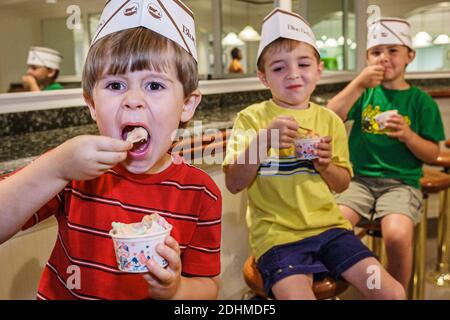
x,y
140,72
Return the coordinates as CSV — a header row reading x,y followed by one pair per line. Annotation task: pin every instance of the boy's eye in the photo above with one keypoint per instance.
x,y
114,86
303,65
155,86
275,69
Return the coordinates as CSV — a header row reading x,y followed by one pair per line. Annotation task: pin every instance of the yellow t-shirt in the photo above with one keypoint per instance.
x,y
288,200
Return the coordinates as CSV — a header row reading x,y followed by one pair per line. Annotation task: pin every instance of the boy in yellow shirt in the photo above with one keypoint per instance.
x,y
297,231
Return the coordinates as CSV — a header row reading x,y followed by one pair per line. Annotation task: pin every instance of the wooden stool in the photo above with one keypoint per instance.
x,y
441,276
433,181
324,289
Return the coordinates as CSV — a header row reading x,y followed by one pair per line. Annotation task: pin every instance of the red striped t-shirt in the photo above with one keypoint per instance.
x,y
184,195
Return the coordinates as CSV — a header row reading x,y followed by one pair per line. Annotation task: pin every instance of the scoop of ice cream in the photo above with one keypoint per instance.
x,y
137,134
150,224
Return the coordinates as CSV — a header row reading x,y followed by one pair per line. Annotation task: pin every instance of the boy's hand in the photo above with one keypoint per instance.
x,y
163,282
324,153
87,157
371,76
29,83
287,132
400,129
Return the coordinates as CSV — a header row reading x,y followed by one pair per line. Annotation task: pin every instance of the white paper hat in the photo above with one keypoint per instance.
x,y
46,57
389,31
170,18
285,24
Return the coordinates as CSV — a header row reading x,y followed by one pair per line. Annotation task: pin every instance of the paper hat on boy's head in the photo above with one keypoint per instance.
x,y
389,31
285,24
45,57
170,18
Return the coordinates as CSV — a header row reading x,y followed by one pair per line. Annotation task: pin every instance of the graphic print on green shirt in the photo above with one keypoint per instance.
x,y
368,123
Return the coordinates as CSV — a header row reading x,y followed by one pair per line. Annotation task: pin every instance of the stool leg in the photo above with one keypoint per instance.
x,y
441,276
378,249
417,288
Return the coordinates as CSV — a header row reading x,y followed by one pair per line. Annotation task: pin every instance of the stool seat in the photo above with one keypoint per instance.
x,y
434,181
323,289
443,160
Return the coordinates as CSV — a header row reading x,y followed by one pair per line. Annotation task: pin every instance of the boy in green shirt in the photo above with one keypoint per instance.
x,y
297,232
43,69
387,152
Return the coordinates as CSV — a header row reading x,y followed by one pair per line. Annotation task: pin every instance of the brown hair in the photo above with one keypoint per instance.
x,y
278,45
138,49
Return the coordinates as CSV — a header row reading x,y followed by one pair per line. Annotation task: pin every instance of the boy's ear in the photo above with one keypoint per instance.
x,y
320,67
51,73
411,55
262,78
90,103
190,104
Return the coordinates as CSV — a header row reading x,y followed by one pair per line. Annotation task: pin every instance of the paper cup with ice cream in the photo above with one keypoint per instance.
x,y
135,243
305,145
381,118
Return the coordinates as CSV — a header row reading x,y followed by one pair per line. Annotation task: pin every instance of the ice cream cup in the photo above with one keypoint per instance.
x,y
133,252
381,118
304,148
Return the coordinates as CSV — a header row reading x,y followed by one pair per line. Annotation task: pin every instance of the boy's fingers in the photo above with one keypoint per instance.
x,y
111,158
170,255
326,139
111,144
156,274
172,243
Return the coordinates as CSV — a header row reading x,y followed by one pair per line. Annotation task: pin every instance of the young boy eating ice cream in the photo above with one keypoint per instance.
x,y
139,81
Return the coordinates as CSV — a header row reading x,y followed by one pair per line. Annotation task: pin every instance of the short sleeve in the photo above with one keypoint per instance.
x,y
241,136
430,120
339,146
201,258
49,209
355,110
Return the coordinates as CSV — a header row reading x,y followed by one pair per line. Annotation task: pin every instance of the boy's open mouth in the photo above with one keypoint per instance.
x,y
139,136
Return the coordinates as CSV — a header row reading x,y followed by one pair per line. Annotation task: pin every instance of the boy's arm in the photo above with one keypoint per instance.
x,y
197,288
336,177
370,77
80,158
425,150
25,192
240,175
279,134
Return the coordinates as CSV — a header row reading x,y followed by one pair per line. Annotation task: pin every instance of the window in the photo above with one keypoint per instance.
x,y
333,24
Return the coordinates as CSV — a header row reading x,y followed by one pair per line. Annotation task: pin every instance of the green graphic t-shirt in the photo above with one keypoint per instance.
x,y
372,152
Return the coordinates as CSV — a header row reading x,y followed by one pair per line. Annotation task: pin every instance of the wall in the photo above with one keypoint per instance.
x,y
14,25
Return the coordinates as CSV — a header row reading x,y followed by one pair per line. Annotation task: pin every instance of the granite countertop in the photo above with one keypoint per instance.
x,y
17,150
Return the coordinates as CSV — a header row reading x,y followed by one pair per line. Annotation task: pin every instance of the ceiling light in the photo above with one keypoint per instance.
x,y
249,34
442,39
331,43
422,40
231,39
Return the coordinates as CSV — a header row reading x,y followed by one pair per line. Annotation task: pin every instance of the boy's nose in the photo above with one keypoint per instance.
x,y
134,100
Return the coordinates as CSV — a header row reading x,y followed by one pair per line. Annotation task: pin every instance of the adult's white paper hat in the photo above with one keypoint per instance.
x,y
45,57
170,18
285,24
385,31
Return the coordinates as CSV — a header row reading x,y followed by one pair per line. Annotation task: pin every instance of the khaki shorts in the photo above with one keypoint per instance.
x,y
385,196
